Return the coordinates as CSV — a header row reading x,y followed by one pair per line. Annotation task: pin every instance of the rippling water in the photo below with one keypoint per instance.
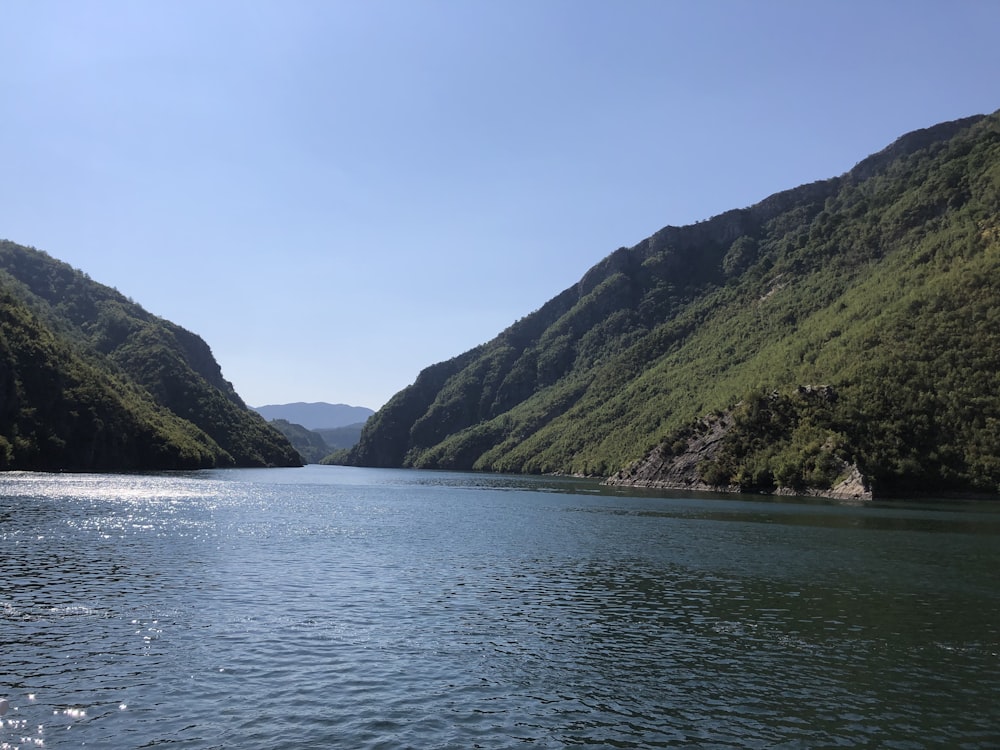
x,y
332,607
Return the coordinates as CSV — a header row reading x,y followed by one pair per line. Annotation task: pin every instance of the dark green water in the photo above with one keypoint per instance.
x,y
330,607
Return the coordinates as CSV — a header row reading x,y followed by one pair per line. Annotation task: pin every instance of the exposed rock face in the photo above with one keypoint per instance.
x,y
665,469
677,467
853,487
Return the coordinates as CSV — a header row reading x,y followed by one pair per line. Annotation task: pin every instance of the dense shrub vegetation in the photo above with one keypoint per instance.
x,y
882,283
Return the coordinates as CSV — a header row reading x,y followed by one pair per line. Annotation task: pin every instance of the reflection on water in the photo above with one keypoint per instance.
x,y
871,519
331,607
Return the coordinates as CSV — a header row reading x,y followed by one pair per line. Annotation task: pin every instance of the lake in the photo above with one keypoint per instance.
x,y
334,607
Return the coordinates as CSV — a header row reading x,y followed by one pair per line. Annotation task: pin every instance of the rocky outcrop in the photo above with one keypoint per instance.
x,y
679,466
853,486
676,467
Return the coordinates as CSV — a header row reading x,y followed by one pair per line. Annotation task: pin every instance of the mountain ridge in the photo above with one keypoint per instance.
x,y
697,318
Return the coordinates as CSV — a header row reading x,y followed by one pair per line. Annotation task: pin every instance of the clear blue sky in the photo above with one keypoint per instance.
x,y
335,195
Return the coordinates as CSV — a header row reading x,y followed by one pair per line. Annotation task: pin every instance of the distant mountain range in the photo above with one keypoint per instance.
x,y
310,445
317,429
318,415
841,336
90,381
320,445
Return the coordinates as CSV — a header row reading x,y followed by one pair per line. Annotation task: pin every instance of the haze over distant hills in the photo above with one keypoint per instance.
x,y
317,429
316,415
844,329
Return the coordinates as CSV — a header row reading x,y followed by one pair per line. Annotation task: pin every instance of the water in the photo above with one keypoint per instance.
x,y
329,607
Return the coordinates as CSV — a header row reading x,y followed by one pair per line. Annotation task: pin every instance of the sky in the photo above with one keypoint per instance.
x,y
337,194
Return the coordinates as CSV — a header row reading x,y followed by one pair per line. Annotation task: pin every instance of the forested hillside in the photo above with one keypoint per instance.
x,y
309,444
883,284
91,381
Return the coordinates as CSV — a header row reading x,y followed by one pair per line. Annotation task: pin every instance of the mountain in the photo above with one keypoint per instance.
x,y
319,446
309,443
879,288
339,438
317,415
90,381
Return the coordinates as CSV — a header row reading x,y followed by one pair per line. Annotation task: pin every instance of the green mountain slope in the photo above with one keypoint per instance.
x,y
91,381
881,283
